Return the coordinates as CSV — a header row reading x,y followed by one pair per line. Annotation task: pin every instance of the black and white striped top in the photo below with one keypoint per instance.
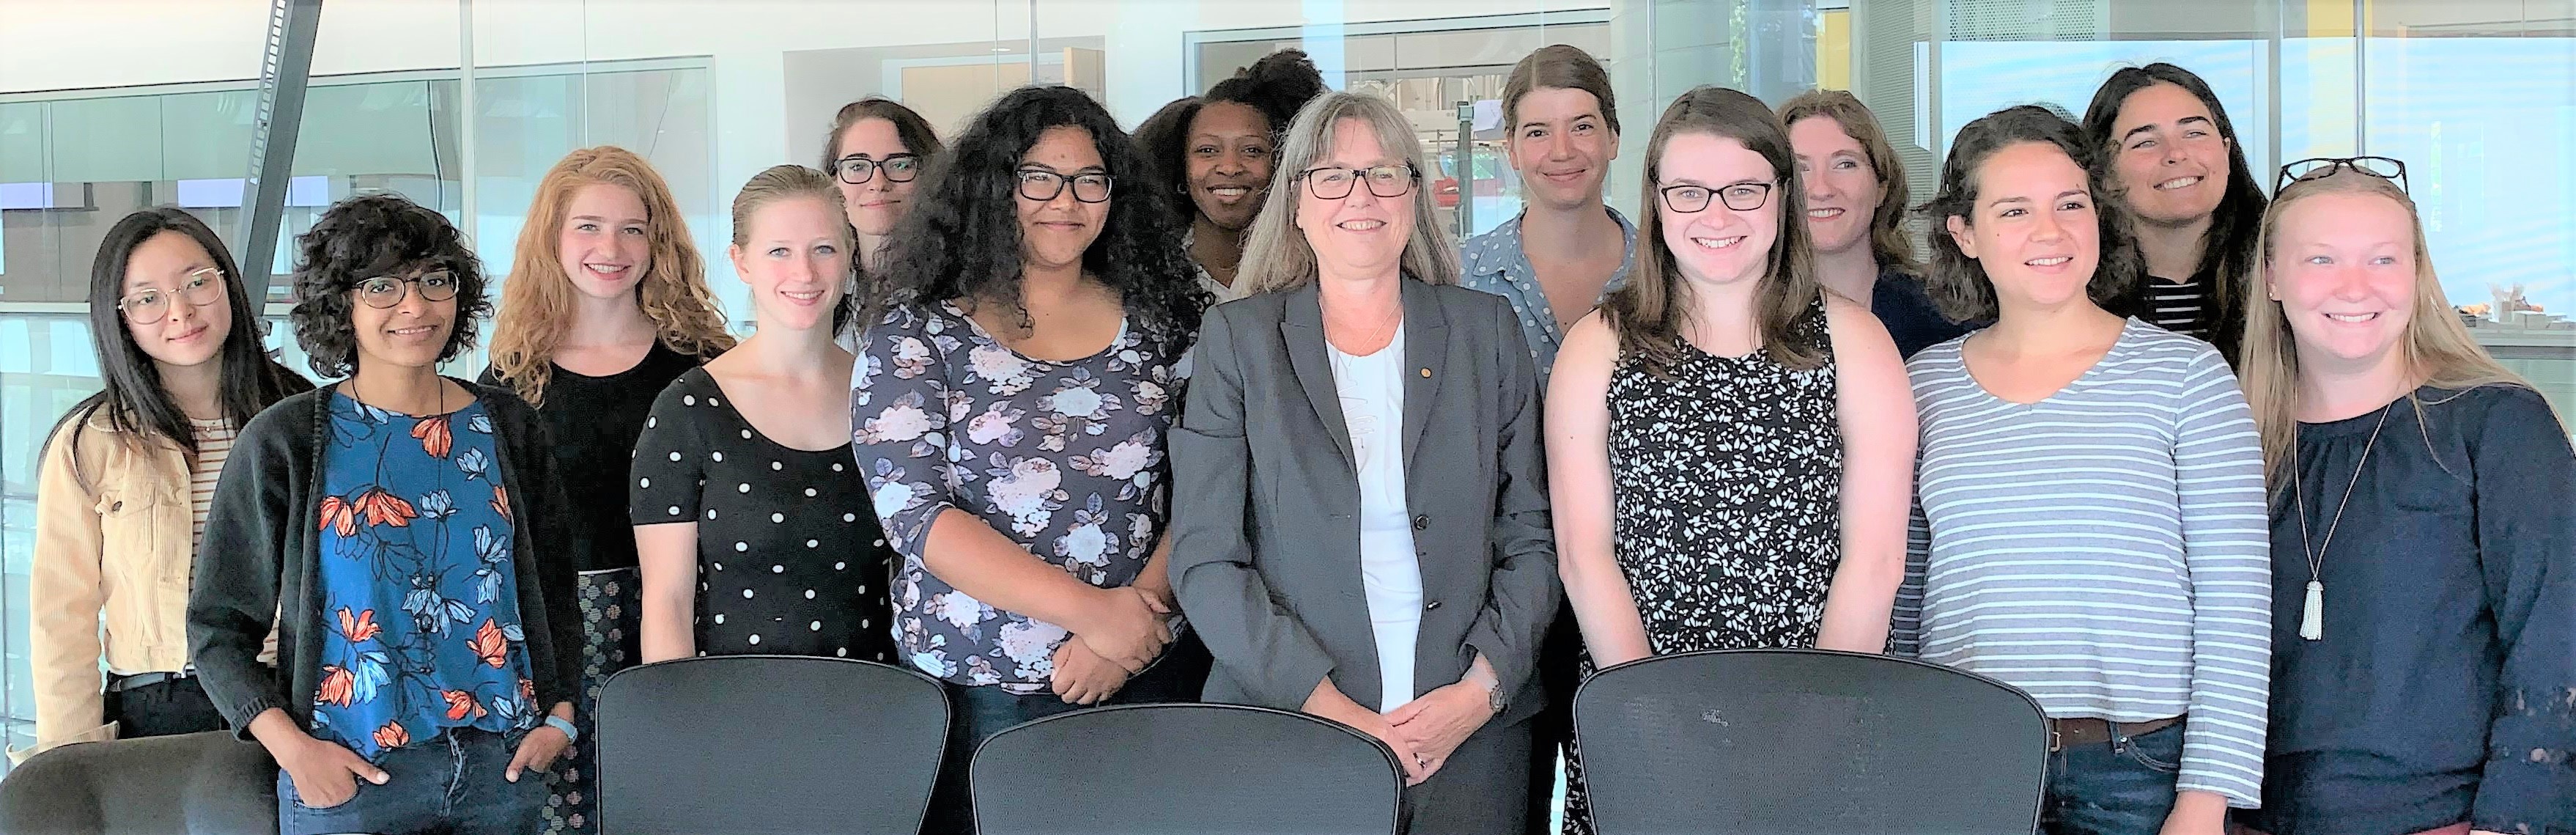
x,y
2106,549
2177,306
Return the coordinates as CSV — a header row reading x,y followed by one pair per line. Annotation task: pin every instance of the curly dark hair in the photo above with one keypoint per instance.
x,y
375,235
962,237
1957,283
1277,86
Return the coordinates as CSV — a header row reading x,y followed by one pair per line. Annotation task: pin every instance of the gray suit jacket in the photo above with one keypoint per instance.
x,y
1265,501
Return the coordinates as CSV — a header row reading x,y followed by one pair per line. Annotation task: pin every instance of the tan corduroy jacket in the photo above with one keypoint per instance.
x,y
110,575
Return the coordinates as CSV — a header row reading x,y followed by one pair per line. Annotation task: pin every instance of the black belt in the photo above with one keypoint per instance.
x,y
119,684
2065,732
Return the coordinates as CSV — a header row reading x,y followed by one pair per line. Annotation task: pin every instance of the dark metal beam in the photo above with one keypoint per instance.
x,y
292,25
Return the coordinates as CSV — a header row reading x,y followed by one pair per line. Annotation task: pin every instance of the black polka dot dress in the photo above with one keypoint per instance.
x,y
790,558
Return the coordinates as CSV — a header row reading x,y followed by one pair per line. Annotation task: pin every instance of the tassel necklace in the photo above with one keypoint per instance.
x,y
2312,616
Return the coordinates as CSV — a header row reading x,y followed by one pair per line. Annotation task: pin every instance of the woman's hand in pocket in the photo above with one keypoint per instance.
x,y
326,773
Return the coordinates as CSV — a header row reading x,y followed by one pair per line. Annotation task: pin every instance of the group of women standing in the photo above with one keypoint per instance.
x,y
1005,435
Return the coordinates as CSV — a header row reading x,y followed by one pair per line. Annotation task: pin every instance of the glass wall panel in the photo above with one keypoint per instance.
x,y
463,107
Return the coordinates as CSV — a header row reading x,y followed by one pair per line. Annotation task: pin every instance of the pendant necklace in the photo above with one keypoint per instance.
x,y
2312,616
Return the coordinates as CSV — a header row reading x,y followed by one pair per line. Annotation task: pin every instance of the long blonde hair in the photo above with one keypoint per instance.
x,y
2436,349
1276,255
537,303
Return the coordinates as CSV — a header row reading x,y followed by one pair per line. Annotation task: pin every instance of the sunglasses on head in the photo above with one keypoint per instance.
x,y
2385,168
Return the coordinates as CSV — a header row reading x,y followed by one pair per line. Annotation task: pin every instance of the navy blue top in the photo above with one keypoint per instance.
x,y
2440,691
419,589
1907,311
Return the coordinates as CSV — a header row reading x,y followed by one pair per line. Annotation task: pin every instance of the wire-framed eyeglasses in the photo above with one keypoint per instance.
x,y
386,290
200,287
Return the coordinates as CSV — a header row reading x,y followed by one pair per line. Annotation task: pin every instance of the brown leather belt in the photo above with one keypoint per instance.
x,y
2065,732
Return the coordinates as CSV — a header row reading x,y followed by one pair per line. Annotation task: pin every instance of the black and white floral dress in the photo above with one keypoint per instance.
x,y
1726,479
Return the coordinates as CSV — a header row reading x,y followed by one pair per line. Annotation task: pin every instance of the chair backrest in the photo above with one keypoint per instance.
x,y
1807,741
1184,768
768,744
164,785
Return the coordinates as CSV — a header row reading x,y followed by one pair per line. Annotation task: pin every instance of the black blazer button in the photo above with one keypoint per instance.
x,y
1430,606
1421,523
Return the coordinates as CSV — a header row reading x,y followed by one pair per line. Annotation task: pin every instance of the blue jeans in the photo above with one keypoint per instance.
x,y
448,783
2121,787
977,713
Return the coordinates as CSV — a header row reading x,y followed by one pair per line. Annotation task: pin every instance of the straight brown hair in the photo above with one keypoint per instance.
x,y
1886,225
1564,68
1650,313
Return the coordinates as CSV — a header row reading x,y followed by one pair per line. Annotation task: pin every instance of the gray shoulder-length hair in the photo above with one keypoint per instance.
x,y
1277,257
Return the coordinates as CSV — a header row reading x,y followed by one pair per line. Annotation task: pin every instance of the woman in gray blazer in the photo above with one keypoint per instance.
x,y
1340,555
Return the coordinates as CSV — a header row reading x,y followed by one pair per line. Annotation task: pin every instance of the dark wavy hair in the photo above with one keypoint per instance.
x,y
1276,86
132,398
2228,254
1957,283
368,236
962,237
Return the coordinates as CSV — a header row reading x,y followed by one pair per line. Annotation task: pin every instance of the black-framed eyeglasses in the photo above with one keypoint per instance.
x,y
2385,168
856,170
1042,185
386,291
1384,181
200,287
1687,198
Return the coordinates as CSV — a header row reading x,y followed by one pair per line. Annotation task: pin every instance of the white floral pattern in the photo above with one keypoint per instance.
x,y
1065,458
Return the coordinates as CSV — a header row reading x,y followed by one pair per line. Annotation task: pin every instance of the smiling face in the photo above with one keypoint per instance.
x,y
184,333
2343,268
795,257
1055,232
1227,162
606,243
2035,230
875,205
412,332
1562,146
1842,189
2168,155
1362,234
1719,244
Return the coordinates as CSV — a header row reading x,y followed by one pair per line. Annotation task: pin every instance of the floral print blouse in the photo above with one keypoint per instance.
x,y
1065,458
419,593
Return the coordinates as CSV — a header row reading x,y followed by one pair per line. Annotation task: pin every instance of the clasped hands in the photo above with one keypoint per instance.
x,y
1424,732
1127,629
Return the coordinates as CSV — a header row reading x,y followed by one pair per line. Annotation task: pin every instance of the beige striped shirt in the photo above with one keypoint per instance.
x,y
214,443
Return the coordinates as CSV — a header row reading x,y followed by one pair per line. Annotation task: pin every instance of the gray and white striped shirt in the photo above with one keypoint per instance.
x,y
2106,549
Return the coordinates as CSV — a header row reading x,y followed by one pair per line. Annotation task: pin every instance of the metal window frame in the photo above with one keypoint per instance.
x,y
285,74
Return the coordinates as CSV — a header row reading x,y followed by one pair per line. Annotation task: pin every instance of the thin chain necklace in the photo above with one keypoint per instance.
x,y
2312,616
1384,330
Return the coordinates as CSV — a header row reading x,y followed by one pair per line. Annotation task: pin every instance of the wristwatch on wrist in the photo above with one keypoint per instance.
x,y
571,734
1494,696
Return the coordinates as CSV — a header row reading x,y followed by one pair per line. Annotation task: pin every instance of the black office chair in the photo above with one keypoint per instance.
x,y
768,745
1780,742
192,784
1184,768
